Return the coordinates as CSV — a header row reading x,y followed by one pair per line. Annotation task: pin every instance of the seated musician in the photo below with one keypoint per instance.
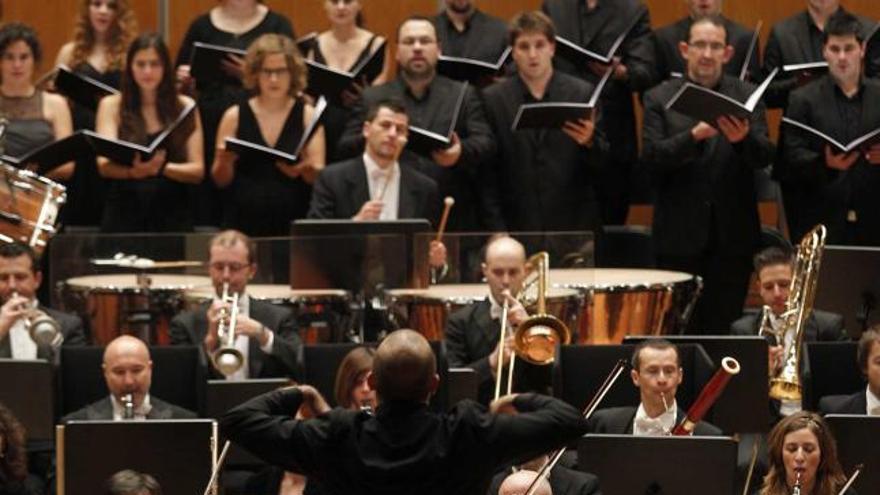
x,y
128,371
128,482
562,481
265,334
803,450
473,333
454,452
657,372
20,277
519,482
864,401
774,269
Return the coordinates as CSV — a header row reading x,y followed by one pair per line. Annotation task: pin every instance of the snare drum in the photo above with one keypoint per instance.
x,y
29,205
426,310
619,302
136,304
322,316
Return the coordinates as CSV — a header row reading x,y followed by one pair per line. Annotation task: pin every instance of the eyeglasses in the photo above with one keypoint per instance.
x,y
232,267
702,45
275,72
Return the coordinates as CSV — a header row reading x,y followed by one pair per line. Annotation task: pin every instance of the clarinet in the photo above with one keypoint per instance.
x,y
128,406
797,485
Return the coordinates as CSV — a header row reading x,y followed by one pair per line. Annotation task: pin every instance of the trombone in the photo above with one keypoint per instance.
x,y
227,359
42,328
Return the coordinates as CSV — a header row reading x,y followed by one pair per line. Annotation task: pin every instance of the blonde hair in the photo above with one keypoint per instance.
x,y
121,34
272,44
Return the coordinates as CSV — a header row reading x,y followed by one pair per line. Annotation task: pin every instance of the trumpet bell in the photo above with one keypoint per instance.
x,y
44,330
228,360
536,339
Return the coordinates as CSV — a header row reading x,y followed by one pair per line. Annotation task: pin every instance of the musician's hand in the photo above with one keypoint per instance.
x,y
872,155
351,95
11,311
504,405
213,315
141,169
184,79
774,358
703,131
233,65
516,313
449,156
581,131
734,129
313,400
840,162
369,211
225,157
507,350
252,329
437,254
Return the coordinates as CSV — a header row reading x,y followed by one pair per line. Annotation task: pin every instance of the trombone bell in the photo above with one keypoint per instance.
x,y
536,339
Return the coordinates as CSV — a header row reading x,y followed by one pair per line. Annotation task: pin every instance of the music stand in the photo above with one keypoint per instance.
x,y
832,370
638,465
857,444
178,453
463,384
29,392
743,407
849,284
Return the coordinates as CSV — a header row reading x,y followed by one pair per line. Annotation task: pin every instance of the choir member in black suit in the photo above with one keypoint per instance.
x,y
546,178
467,32
235,24
595,25
864,401
657,372
665,40
454,452
430,101
834,188
706,215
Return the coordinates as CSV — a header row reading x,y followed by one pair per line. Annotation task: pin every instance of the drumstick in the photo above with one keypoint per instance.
x,y
447,205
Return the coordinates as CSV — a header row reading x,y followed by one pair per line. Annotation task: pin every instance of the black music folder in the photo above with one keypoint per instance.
x,y
267,153
53,154
857,444
580,56
804,73
124,152
206,62
81,89
704,104
471,70
305,43
329,82
424,141
554,114
28,391
864,141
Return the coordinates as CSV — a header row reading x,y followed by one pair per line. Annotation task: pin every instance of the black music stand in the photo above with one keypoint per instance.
x,y
579,371
831,370
463,384
743,407
178,453
29,392
638,465
857,444
178,376
849,284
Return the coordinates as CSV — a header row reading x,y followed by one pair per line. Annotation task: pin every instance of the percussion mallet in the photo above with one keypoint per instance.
x,y
447,205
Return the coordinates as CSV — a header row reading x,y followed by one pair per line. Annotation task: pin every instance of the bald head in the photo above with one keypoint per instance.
x,y
518,483
404,368
128,368
504,267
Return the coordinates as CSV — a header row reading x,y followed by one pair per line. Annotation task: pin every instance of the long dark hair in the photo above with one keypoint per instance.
x,y
13,457
168,106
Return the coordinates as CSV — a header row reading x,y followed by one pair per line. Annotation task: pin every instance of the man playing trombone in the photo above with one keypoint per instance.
x,y
29,330
260,341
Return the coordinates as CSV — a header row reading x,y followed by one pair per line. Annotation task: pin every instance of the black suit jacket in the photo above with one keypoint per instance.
x,y
856,403
563,481
704,190
71,330
668,60
103,410
619,421
342,189
404,448
820,326
189,327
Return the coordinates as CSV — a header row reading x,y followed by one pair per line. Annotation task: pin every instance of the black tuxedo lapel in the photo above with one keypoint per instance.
x,y
101,410
255,365
599,22
357,186
5,347
802,38
483,318
408,196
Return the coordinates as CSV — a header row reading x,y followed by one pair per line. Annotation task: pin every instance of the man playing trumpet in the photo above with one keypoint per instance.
x,y
20,277
264,334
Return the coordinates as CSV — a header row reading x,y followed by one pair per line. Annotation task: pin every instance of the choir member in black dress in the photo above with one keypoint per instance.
x,y
264,196
35,118
595,25
344,47
102,32
705,214
545,177
466,31
235,24
838,189
151,195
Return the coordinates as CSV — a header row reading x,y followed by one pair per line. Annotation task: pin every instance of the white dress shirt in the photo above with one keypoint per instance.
x,y
20,342
873,401
659,426
384,185
140,412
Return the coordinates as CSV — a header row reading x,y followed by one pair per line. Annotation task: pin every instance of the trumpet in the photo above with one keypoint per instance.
x,y
42,328
227,359
127,406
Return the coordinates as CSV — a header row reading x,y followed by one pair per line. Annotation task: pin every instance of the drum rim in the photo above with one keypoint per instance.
x,y
117,289
634,287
